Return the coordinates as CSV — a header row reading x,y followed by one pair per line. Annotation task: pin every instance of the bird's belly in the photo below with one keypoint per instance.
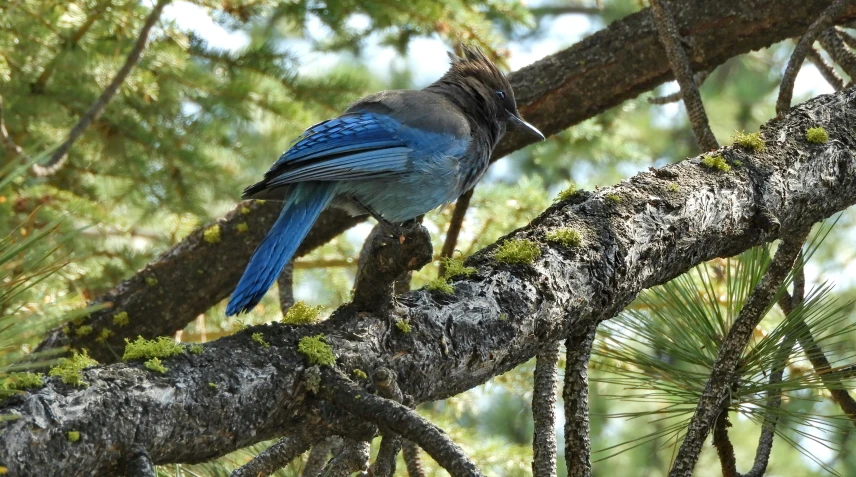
x,y
397,200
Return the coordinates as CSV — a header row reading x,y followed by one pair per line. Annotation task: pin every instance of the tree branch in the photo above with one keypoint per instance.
x,y
826,70
455,224
354,457
494,321
544,411
319,455
58,157
722,375
603,70
838,51
680,64
575,395
412,459
824,21
278,455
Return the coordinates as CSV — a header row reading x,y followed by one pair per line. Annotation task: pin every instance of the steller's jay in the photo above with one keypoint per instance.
x,y
395,155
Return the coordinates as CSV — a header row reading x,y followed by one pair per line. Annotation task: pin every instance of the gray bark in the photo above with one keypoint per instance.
x,y
666,222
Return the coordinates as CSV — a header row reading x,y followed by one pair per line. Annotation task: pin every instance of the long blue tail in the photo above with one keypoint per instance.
x,y
300,210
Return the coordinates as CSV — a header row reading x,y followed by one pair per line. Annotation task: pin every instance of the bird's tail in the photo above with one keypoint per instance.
x,y
299,212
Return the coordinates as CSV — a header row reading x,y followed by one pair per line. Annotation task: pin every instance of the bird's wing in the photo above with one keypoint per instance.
x,y
356,145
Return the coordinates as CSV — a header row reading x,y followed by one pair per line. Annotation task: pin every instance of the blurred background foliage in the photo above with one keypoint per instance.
x,y
223,88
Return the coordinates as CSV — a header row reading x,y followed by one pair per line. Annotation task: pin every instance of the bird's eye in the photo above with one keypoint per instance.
x,y
501,94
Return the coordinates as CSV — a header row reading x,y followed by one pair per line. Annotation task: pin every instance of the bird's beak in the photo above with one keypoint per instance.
x,y
523,125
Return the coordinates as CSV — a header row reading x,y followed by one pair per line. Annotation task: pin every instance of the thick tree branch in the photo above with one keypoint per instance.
x,y
838,51
412,459
666,222
605,69
59,155
353,457
319,455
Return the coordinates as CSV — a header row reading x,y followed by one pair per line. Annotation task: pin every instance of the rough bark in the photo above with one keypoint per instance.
x,y
605,69
544,412
665,222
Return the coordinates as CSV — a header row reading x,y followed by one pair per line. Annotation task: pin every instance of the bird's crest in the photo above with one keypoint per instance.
x,y
472,62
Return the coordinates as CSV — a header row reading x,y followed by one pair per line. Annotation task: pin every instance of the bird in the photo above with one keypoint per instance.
x,y
394,155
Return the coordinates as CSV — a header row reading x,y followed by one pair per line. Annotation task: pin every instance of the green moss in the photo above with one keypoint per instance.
x,y
141,348
240,325
242,228
212,385
816,135
360,374
737,163
68,370
440,284
316,350
517,251
301,314
455,268
614,198
79,320
66,330
566,194
403,326
151,281
105,335
674,187
751,141
245,210
196,349
73,436
155,365
121,319
715,162
566,236
503,316
212,234
312,379
19,381
259,338
83,330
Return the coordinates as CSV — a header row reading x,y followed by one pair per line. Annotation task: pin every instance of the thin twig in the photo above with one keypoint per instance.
x,y
722,375
278,455
455,223
698,78
285,285
838,51
319,455
849,39
58,157
544,412
680,64
354,457
824,21
826,70
575,395
401,419
385,380
412,459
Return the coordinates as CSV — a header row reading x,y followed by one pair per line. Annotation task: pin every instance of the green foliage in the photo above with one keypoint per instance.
x,y
302,314
715,162
403,326
360,373
816,135
141,348
518,251
455,268
567,193
155,365
212,234
73,436
68,370
21,381
440,284
316,350
750,141
566,236
121,319
613,198
660,350
259,338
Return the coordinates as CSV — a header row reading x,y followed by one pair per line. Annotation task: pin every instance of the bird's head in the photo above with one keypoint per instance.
x,y
487,88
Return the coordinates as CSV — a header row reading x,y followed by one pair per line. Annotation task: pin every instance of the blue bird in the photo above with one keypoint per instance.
x,y
395,155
